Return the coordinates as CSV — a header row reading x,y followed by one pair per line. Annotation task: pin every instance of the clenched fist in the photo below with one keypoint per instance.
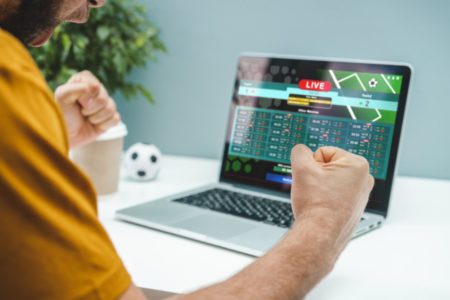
x,y
330,189
87,108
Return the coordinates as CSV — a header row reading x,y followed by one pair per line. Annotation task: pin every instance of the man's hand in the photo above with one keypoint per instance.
x,y
331,188
87,108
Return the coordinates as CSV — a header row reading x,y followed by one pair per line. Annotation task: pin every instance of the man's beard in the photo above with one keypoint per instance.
x,y
32,18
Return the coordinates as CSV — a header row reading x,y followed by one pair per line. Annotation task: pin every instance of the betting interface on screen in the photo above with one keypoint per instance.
x,y
279,103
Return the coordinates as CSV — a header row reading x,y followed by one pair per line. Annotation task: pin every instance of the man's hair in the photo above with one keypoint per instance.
x,y
26,19
7,8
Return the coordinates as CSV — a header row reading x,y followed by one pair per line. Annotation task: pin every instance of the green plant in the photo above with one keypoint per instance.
x,y
118,38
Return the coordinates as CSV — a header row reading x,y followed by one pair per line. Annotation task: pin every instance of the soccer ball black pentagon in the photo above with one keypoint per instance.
x,y
142,162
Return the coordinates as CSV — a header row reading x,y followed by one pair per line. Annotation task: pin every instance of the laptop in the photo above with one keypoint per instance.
x,y
278,102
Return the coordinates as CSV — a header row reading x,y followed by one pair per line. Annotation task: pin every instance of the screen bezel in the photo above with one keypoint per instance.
x,y
383,188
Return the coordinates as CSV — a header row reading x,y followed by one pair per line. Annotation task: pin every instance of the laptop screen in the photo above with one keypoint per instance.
x,y
280,102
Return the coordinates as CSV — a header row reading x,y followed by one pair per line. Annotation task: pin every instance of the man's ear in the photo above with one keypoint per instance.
x,y
7,8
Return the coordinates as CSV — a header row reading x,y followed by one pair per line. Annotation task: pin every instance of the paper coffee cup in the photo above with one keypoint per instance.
x,y
101,160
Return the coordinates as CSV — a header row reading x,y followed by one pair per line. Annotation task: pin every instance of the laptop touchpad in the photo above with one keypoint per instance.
x,y
221,227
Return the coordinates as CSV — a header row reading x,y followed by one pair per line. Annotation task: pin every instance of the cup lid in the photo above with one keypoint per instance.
x,y
118,131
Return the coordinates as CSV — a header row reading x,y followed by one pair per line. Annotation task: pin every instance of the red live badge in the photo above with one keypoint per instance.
x,y
315,85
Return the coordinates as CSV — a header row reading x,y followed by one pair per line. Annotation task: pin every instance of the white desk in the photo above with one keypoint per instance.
x,y
408,258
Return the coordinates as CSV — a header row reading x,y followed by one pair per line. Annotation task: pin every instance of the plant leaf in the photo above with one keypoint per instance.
x,y
118,38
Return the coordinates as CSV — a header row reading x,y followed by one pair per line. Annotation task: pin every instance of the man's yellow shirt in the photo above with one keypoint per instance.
x,y
52,245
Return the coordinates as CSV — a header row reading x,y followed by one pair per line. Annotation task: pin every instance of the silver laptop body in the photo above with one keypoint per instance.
x,y
256,237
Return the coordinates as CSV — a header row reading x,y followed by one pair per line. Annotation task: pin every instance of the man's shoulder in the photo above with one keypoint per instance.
x,y
13,54
16,64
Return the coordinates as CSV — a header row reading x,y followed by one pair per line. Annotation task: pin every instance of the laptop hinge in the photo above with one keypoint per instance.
x,y
247,187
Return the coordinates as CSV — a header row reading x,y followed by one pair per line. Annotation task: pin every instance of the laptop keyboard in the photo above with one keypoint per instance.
x,y
242,205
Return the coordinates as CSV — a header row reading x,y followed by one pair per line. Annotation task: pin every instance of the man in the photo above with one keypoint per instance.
x,y
53,246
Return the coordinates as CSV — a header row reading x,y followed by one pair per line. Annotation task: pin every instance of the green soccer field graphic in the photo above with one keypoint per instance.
x,y
367,82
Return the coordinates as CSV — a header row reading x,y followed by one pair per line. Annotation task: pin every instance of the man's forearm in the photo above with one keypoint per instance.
x,y
330,189
288,271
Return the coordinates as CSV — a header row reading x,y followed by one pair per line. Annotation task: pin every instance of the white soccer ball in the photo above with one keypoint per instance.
x,y
142,162
373,83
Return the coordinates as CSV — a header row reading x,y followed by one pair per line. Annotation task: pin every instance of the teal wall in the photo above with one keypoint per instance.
x,y
192,84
